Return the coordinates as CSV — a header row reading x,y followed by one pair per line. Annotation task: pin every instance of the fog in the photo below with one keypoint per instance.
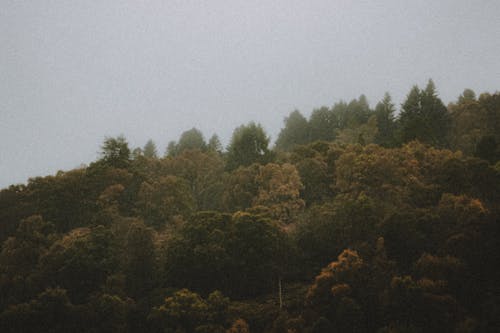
x,y
74,72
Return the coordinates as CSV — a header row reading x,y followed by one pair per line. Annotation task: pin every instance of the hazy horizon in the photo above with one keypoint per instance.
x,y
72,73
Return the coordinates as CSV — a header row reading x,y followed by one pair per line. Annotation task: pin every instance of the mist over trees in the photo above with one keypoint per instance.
x,y
355,220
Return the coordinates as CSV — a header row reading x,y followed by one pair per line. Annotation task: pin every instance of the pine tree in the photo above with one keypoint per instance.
x,y
149,150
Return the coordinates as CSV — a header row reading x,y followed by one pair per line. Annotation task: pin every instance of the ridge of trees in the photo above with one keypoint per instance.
x,y
358,220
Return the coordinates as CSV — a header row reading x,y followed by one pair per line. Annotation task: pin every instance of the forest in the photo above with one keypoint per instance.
x,y
355,219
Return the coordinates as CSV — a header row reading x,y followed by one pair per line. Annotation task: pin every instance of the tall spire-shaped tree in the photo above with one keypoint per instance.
x,y
424,117
149,150
384,113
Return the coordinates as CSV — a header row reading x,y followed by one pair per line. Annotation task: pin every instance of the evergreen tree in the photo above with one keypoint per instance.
x,y
436,118
172,149
322,125
149,150
424,117
214,144
384,113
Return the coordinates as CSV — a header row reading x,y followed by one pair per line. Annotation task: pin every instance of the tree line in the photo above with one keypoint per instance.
x,y
356,220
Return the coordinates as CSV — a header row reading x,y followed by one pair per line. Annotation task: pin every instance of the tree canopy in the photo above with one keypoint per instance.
x,y
358,220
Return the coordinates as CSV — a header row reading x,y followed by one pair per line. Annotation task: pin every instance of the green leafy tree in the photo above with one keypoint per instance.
x,y
467,96
203,173
188,312
240,188
240,255
138,260
249,144
19,258
488,149
191,139
50,311
363,134
423,304
474,120
80,262
108,313
333,293
295,132
115,152
468,123
159,201
264,244
279,191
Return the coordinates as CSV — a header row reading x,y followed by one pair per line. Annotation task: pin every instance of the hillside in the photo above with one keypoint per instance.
x,y
356,220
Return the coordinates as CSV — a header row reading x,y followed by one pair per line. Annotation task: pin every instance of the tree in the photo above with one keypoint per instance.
x,y
19,255
315,163
108,313
322,124
50,311
335,290
423,304
488,149
468,123
358,112
467,96
184,310
424,117
409,120
115,152
363,134
214,144
249,144
295,132
80,262
149,150
191,139
187,311
435,115
240,188
384,113
171,149
139,259
162,199
203,172
263,245
240,255
315,179
474,119
19,259
279,191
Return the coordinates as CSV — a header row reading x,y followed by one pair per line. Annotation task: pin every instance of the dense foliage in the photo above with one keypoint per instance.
x,y
358,220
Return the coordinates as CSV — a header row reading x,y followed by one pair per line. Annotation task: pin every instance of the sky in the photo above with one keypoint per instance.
x,y
75,72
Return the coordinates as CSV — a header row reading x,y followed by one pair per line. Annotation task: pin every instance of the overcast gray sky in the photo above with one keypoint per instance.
x,y
73,72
